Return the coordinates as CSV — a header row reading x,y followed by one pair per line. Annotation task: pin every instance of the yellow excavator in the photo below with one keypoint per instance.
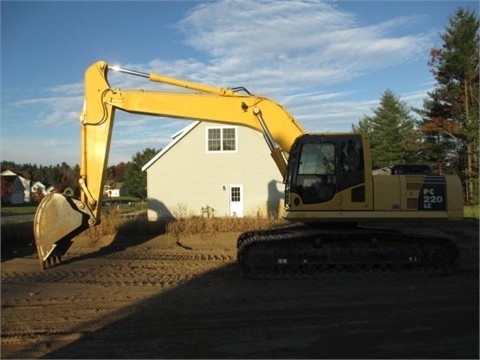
x,y
329,186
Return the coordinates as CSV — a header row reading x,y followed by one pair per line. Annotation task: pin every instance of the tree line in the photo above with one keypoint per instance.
x,y
63,176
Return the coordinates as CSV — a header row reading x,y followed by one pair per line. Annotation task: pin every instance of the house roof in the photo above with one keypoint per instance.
x,y
175,139
12,180
8,173
10,176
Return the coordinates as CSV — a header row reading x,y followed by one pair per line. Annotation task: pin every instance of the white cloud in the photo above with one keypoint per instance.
x,y
291,45
68,90
61,110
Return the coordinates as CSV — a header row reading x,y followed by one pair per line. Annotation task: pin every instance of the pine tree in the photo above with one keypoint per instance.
x,y
135,180
451,113
391,131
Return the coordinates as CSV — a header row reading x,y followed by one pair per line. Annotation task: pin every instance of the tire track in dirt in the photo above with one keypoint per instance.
x,y
63,303
126,269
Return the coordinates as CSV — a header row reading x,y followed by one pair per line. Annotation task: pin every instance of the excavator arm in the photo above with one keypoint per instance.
x,y
60,218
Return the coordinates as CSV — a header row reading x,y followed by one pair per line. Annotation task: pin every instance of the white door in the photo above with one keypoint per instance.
x,y
236,200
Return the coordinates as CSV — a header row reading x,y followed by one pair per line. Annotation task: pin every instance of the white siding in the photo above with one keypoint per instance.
x,y
26,191
187,177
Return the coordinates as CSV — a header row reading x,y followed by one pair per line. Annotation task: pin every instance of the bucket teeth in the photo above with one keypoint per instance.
x,y
52,260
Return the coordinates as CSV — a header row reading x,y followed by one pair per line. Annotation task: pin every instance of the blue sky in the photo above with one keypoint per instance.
x,y
328,62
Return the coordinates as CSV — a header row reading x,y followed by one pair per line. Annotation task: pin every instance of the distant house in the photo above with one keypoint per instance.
x,y
38,187
214,170
39,191
114,190
20,188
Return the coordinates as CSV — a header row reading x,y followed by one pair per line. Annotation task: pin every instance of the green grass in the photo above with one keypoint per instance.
x,y
471,211
121,204
18,210
123,207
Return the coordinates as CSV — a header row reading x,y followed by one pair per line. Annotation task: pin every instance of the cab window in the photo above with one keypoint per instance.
x,y
315,180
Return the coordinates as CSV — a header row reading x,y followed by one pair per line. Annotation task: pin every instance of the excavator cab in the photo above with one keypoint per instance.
x,y
328,172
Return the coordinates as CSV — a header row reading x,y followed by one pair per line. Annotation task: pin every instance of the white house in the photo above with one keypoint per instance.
x,y
113,190
38,187
20,187
215,170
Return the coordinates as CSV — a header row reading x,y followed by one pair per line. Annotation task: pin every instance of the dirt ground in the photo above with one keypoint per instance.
x,y
161,298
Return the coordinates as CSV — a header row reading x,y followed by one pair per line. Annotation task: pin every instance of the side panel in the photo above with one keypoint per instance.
x,y
407,192
454,197
417,193
386,193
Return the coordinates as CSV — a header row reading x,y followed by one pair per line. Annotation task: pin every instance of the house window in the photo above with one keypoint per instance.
x,y
222,139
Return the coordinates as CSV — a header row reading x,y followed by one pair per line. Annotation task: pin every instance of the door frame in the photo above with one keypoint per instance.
x,y
235,208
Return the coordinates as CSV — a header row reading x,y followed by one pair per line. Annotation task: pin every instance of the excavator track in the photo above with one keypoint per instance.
x,y
305,251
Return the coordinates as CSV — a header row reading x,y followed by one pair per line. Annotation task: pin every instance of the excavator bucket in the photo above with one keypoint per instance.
x,y
58,220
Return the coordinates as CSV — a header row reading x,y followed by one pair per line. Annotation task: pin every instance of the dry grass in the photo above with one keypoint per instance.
x,y
190,226
113,224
